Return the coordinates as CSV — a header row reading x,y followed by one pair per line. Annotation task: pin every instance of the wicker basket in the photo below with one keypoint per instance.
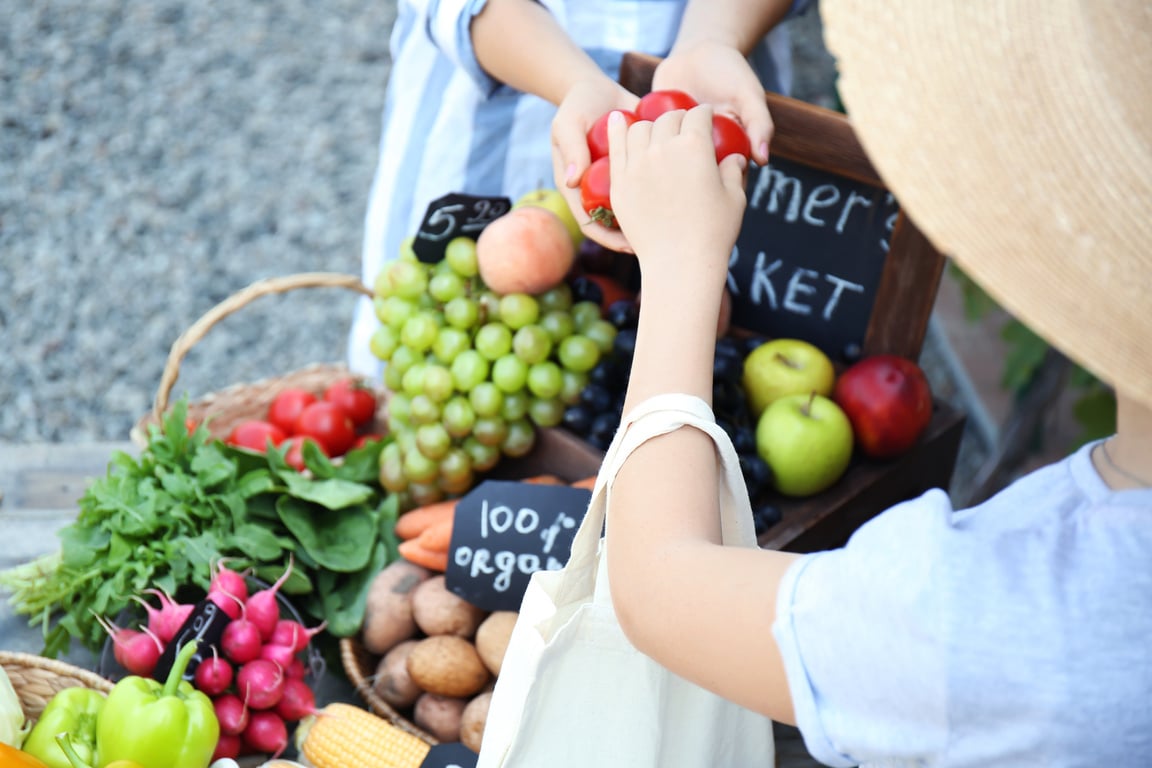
x,y
232,405
360,666
37,679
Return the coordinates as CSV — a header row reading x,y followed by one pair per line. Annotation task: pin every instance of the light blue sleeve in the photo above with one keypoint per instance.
x,y
863,637
449,28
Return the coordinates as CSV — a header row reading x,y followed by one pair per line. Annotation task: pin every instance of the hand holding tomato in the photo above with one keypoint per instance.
x,y
595,198
678,207
719,75
585,103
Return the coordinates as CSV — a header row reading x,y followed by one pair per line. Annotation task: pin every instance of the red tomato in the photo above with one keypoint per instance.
x,y
656,103
286,407
354,399
295,453
328,425
594,196
598,133
254,435
729,138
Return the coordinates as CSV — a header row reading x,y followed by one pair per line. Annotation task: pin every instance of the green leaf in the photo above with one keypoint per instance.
x,y
361,465
1095,412
333,494
343,597
341,542
255,482
1025,354
257,542
80,546
297,583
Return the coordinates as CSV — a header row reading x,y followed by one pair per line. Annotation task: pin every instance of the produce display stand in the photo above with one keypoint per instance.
x,y
823,143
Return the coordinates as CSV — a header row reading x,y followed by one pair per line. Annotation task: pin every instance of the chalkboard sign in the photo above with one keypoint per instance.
x,y
452,216
450,755
809,257
504,531
204,626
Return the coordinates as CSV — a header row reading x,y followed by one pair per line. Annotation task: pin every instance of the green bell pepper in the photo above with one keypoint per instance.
x,y
70,710
169,725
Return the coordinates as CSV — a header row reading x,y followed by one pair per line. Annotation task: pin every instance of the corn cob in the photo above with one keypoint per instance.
x,y
346,736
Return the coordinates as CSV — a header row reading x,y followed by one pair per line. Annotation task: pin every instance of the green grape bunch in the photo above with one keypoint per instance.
x,y
472,374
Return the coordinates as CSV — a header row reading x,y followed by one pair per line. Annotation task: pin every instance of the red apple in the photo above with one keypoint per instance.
x,y
889,402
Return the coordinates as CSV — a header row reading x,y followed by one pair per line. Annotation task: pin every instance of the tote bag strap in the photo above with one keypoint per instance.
x,y
656,416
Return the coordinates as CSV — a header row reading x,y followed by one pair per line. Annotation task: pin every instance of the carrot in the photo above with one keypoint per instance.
x,y
585,482
413,522
437,537
411,551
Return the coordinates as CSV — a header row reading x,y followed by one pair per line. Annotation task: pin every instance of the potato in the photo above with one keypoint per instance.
x,y
392,682
438,611
492,638
447,665
472,721
439,715
388,617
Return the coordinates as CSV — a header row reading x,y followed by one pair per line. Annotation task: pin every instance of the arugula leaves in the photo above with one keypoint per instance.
x,y
163,519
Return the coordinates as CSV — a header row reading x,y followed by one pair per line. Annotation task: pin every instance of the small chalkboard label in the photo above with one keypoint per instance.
x,y
455,215
204,626
504,531
452,754
809,257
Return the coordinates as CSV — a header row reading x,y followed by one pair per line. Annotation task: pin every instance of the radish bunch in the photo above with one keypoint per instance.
x,y
255,673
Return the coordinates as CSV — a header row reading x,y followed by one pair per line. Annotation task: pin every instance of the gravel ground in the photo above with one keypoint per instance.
x,y
156,156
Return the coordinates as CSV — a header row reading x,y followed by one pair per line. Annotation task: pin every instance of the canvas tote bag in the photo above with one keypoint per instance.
x,y
573,692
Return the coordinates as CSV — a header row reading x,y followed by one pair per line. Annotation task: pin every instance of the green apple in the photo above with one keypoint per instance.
x,y
785,367
807,442
552,200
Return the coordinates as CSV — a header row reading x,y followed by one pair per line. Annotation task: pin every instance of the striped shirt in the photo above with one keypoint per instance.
x,y
449,127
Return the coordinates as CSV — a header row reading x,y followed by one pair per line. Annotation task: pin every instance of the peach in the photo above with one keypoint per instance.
x,y
527,250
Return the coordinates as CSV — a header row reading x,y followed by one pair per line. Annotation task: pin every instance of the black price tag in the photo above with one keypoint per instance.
x,y
204,626
450,755
455,215
505,531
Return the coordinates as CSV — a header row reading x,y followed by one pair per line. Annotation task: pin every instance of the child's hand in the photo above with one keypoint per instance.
x,y
719,75
585,102
679,210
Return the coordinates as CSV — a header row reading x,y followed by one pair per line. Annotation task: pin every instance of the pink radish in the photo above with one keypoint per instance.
x,y
228,745
232,713
280,655
294,634
297,702
228,582
240,641
135,650
261,682
230,604
266,732
166,620
214,675
262,609
296,669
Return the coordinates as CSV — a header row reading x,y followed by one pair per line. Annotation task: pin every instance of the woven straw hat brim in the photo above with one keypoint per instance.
x,y
1017,134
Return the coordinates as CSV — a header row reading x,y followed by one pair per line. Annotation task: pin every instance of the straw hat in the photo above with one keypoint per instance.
x,y
1018,135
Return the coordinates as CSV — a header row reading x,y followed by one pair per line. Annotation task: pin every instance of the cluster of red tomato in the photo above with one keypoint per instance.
x,y
336,421
727,136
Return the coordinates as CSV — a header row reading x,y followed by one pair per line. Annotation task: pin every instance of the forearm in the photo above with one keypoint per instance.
x,y
543,60
666,567
740,24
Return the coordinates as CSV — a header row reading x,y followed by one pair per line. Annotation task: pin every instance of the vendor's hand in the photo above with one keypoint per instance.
x,y
679,210
582,106
717,74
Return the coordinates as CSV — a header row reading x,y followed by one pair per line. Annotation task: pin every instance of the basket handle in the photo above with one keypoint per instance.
x,y
235,302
